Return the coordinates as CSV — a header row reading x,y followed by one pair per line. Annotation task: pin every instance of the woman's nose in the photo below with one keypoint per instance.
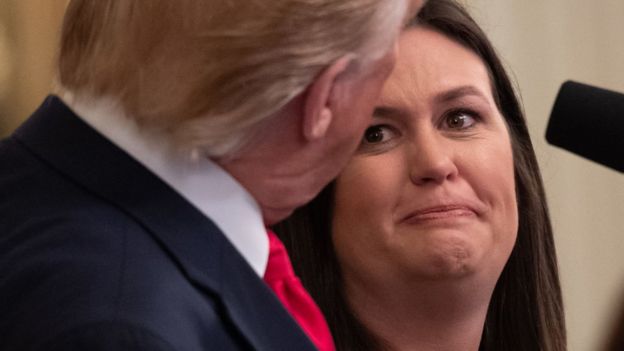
x,y
431,161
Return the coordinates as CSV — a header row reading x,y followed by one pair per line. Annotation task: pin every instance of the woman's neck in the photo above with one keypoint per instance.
x,y
424,316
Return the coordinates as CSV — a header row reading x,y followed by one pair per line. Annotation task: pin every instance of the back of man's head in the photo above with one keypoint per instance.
x,y
210,71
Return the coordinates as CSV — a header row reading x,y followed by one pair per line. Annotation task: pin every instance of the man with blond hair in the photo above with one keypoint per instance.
x,y
134,201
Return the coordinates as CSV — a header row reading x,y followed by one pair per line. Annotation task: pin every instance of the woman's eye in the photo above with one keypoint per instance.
x,y
377,134
460,120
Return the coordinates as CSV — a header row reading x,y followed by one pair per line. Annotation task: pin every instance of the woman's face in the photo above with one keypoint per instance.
x,y
430,193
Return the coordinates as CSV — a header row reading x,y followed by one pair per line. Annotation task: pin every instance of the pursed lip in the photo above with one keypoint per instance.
x,y
441,212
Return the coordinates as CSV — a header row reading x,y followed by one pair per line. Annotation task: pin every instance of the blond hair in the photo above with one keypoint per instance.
x,y
210,71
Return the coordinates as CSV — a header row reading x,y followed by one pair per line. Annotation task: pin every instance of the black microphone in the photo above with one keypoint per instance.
x,y
589,122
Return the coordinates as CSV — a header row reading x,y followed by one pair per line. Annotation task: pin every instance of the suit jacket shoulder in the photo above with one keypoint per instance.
x,y
93,246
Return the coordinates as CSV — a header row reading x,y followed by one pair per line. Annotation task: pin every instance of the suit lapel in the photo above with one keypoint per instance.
x,y
74,149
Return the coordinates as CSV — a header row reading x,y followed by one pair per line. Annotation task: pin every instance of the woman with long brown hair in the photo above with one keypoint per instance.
x,y
436,236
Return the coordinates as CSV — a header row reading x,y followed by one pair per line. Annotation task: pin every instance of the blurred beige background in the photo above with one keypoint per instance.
x,y
543,42
28,38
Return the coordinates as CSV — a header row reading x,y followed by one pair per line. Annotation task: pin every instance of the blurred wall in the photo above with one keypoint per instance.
x,y
28,39
544,42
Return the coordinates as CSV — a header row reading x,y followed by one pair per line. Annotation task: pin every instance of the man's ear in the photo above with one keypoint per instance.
x,y
317,113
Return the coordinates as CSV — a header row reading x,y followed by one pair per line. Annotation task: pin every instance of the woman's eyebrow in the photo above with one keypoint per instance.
x,y
387,112
460,92
384,111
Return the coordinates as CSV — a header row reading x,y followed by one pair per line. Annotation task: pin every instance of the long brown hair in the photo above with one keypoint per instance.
x,y
615,340
526,310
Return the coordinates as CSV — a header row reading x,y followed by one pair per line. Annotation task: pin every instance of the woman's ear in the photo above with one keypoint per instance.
x,y
317,112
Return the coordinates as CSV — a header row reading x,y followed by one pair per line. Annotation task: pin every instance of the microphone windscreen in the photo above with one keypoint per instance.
x,y
589,122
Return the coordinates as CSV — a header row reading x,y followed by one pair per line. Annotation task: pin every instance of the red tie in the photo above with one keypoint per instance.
x,y
281,278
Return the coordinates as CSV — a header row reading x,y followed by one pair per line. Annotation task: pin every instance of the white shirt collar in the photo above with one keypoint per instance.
x,y
201,182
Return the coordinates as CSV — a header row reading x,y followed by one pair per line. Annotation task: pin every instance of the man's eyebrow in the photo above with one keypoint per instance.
x,y
459,92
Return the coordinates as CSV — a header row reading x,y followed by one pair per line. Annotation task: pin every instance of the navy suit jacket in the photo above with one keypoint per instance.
x,y
97,253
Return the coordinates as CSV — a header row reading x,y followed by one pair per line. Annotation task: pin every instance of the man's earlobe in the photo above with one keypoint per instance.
x,y
317,111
